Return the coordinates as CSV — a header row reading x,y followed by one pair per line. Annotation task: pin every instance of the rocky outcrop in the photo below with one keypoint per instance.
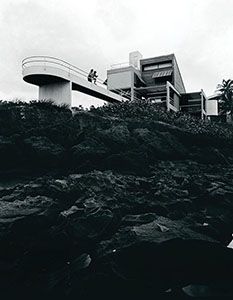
x,y
134,203
101,233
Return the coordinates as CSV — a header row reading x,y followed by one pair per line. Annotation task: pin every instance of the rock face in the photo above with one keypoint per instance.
x,y
110,235
125,202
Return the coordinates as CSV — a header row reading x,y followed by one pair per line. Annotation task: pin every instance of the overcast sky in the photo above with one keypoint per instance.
x,y
98,33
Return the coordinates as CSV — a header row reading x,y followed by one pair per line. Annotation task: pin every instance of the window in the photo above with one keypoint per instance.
x,y
157,66
150,67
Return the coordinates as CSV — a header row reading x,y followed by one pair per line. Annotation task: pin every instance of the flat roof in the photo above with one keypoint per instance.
x,y
158,58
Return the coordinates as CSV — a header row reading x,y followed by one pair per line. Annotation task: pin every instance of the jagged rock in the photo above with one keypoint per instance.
x,y
130,220
29,206
91,224
162,254
146,210
115,218
73,210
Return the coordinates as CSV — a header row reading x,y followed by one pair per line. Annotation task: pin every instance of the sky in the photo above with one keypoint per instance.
x,y
98,33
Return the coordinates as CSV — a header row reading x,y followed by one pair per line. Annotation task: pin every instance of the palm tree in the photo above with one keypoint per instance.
x,y
226,97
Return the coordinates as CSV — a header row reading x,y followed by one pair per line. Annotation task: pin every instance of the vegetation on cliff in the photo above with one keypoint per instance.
x,y
128,137
119,202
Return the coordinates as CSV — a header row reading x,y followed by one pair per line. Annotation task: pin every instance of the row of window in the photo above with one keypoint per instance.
x,y
157,66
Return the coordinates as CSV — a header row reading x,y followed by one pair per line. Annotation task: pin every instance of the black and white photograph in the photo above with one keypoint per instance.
x,y
116,149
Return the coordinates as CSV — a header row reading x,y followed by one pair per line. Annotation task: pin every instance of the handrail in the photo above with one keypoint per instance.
x,y
53,58
56,61
123,65
117,65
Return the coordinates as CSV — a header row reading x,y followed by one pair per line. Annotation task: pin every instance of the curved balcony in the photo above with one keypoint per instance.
x,y
48,70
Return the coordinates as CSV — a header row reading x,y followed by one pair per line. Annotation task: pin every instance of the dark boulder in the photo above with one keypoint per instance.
x,y
162,255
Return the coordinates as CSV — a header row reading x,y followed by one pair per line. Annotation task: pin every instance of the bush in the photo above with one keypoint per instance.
x,y
142,110
121,136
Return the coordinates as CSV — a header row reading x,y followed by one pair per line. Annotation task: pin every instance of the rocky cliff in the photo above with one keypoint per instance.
x,y
125,201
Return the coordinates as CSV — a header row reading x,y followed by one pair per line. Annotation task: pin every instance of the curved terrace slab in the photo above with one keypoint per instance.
x,y
56,80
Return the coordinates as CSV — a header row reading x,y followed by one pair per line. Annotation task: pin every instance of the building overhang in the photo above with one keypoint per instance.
x,y
156,59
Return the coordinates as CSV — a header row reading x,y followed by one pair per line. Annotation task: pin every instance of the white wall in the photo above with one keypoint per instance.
x,y
212,107
60,92
120,80
134,58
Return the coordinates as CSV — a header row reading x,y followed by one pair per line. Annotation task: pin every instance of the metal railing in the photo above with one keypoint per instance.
x,y
56,62
121,65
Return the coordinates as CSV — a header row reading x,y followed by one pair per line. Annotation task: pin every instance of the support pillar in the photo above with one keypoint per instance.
x,y
168,96
132,86
59,92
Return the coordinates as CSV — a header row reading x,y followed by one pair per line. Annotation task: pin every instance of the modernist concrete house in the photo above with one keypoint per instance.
x,y
157,79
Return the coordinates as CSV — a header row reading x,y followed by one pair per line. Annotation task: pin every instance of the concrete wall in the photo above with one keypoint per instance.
x,y
178,81
119,79
134,59
60,92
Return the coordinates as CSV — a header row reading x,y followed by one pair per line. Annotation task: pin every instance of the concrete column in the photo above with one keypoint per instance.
x,y
202,105
132,85
168,97
59,92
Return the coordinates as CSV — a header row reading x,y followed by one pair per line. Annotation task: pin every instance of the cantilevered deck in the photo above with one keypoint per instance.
x,y
57,78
